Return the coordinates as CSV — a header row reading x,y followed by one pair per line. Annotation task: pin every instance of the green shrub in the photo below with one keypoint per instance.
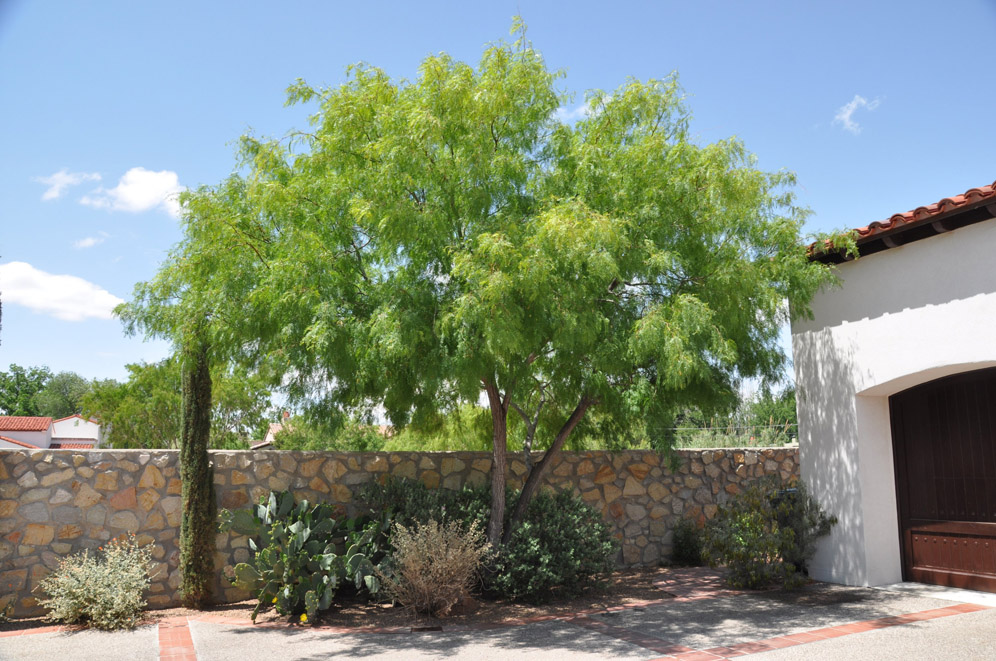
x,y
686,543
103,590
766,534
560,547
558,550
434,565
410,502
297,568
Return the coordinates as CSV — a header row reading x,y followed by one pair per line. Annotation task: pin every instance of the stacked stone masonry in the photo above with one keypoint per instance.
x,y
54,503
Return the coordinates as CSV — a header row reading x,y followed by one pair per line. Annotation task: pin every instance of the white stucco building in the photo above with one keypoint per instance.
x,y
905,457
32,432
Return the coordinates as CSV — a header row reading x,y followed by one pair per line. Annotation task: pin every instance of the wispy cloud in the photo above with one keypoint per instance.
x,y
58,182
845,116
64,297
139,190
90,241
573,114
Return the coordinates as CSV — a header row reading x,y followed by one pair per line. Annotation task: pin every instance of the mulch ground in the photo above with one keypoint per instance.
x,y
624,588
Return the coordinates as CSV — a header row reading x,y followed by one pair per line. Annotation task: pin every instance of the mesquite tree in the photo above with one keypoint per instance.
x,y
198,523
450,239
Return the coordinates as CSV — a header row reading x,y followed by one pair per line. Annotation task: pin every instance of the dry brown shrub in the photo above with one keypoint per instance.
x,y
435,566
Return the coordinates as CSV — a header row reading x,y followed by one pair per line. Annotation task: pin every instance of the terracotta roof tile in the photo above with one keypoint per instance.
x,y
21,443
925,221
24,423
929,212
72,445
75,415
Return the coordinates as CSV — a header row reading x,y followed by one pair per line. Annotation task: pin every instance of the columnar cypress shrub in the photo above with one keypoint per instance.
x,y
197,527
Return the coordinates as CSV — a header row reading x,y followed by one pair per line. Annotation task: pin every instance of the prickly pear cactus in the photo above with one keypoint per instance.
x,y
296,568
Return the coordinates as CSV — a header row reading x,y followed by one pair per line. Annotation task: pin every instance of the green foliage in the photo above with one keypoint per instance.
x,y
145,411
297,568
62,395
686,543
766,534
465,428
18,389
409,502
431,238
766,418
103,590
434,565
352,436
561,547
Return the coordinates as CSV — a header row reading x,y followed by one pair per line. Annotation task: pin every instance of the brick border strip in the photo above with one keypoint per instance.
x,y
27,632
175,642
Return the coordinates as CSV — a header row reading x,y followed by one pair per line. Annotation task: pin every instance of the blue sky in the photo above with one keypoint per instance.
x,y
108,108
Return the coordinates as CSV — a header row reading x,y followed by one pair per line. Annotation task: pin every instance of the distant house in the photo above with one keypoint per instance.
x,y
34,432
271,432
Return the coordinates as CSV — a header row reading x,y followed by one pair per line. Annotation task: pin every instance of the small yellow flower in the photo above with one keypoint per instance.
x,y
304,617
274,600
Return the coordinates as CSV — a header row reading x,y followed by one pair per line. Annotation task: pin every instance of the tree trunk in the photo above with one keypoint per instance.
x,y
197,527
536,474
499,462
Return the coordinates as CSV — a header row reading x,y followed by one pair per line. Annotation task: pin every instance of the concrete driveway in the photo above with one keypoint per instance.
x,y
702,621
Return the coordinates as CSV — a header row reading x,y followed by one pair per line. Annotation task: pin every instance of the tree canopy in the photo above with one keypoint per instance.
x,y
62,395
146,410
19,387
450,239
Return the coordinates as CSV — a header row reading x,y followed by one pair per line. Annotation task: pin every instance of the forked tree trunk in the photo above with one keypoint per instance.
x,y
537,472
197,526
499,462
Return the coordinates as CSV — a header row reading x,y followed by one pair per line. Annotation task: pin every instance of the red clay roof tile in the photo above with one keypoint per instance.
x,y
923,216
24,423
930,212
75,415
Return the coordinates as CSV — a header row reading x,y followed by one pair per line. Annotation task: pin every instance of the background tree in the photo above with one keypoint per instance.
x,y
62,395
146,410
449,238
18,388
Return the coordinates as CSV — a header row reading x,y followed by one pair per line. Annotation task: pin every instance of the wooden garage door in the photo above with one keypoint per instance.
x,y
944,439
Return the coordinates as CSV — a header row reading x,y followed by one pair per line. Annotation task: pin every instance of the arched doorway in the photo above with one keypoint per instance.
x,y
944,444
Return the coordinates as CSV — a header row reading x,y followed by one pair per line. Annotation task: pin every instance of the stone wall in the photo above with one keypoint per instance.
x,y
56,502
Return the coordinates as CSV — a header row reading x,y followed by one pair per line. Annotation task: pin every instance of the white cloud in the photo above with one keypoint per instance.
x,y
845,116
139,190
64,297
90,241
58,183
582,111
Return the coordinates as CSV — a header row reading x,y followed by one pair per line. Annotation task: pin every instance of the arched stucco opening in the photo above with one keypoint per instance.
x,y
877,474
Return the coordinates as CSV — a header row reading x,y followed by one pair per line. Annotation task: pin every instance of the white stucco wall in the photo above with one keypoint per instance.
x,y
902,317
39,439
75,427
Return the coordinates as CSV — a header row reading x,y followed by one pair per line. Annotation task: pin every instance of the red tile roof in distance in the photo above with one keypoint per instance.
x,y
75,415
71,445
23,423
21,443
929,212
